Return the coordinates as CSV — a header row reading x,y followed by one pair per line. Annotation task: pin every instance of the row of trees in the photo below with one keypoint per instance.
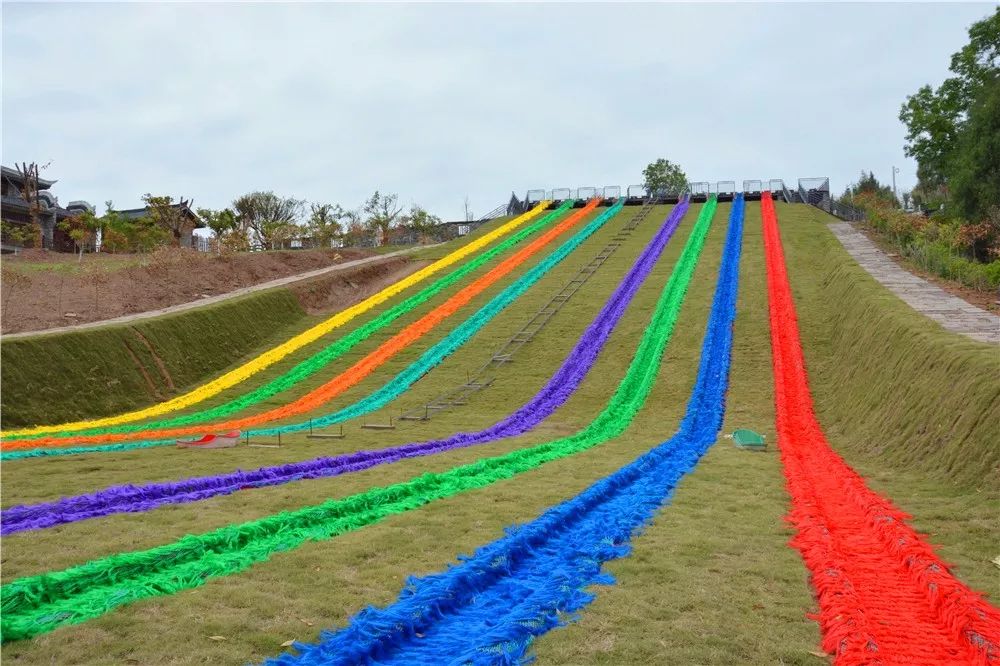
x,y
268,220
254,220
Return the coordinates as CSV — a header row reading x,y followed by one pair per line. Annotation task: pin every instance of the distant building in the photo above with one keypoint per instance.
x,y
15,211
192,219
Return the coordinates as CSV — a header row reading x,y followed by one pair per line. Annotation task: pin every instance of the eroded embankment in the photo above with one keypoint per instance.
x,y
100,371
888,382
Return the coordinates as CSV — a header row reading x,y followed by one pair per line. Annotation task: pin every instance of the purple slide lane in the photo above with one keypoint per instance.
x,y
562,384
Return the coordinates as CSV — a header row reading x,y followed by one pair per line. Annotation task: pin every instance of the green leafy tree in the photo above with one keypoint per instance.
x,y
82,228
220,222
168,216
869,184
124,234
664,175
223,224
18,234
935,119
975,181
420,220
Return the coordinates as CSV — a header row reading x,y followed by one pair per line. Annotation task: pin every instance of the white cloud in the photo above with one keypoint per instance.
x,y
330,101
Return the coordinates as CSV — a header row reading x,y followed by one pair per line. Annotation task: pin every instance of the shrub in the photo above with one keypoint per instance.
x,y
939,245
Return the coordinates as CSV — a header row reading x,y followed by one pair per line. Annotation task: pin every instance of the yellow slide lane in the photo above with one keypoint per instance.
x,y
272,356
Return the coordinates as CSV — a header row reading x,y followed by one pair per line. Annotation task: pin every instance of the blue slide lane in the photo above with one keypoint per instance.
x,y
488,608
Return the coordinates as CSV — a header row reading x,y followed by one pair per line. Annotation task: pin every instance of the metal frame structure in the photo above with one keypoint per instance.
x,y
635,195
583,195
560,194
815,191
665,195
752,189
534,196
486,374
725,190
610,194
776,186
699,191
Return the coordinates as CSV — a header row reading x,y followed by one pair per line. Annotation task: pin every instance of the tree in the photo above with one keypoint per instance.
x,y
664,175
469,215
18,234
271,219
220,222
223,224
29,192
975,180
121,233
355,228
867,189
325,223
420,220
167,215
381,212
934,119
82,228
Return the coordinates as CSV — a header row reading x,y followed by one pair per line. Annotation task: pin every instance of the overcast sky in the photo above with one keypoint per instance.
x,y
439,101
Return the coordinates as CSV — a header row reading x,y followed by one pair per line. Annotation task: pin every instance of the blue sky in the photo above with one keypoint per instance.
x,y
437,102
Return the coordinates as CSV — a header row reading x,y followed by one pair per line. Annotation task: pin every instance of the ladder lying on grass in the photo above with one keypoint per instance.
x,y
486,374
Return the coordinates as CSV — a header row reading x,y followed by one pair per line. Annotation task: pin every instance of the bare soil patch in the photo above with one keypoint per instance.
x,y
48,290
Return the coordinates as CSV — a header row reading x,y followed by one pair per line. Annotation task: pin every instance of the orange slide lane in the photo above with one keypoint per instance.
x,y
354,374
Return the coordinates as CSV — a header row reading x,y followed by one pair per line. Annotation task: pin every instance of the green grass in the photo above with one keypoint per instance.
x,y
890,383
711,581
94,372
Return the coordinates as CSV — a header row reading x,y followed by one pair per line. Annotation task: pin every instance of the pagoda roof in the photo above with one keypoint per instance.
x,y
14,176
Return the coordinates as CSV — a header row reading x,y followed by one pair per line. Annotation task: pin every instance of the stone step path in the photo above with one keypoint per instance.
x,y
953,313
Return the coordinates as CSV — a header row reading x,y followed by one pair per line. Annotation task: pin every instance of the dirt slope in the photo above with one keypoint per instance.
x,y
42,291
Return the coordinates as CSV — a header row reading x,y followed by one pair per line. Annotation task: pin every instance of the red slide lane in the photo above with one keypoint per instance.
x,y
884,596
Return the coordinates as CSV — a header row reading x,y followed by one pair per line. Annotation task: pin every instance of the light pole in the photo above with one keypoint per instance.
x,y
895,170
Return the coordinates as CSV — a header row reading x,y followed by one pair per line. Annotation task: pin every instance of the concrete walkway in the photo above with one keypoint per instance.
x,y
280,282
951,312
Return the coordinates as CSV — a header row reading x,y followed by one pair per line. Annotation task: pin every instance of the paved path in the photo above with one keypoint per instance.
x,y
280,282
925,297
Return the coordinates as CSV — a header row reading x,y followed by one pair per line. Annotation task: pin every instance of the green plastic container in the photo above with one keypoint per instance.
x,y
748,439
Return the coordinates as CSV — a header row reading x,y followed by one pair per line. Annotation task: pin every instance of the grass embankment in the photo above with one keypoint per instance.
x,y
711,581
94,372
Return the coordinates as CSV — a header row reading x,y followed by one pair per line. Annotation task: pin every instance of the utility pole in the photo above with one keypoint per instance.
x,y
895,170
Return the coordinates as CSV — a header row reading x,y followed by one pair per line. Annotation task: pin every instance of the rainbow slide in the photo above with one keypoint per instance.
x,y
490,606
41,603
275,354
561,385
367,365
